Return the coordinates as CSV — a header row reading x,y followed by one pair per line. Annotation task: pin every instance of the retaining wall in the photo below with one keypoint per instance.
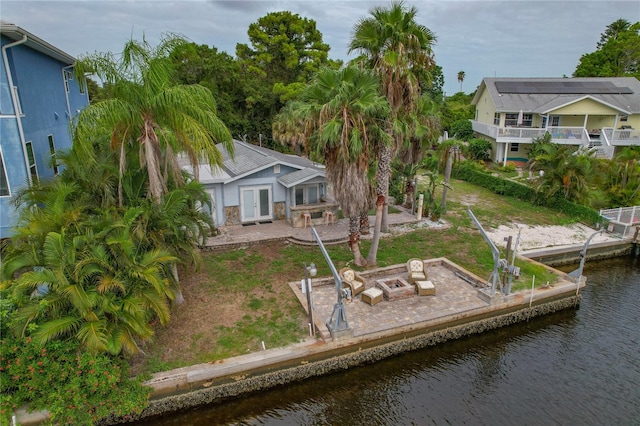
x,y
306,361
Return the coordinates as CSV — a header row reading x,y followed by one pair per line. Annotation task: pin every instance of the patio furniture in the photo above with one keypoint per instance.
x,y
353,280
372,296
417,271
425,288
328,217
307,219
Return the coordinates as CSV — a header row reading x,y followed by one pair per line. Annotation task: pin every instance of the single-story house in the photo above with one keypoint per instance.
x,y
602,114
260,185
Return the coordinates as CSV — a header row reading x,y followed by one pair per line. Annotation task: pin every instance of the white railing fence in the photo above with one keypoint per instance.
x,y
626,217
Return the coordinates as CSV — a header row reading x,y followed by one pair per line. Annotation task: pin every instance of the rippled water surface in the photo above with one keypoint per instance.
x,y
576,367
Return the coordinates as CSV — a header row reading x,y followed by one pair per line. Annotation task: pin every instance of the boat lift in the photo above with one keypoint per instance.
x,y
500,266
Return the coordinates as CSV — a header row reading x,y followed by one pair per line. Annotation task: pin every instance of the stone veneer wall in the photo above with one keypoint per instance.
x,y
232,215
302,371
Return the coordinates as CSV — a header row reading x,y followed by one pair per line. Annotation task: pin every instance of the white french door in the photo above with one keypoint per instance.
x,y
255,203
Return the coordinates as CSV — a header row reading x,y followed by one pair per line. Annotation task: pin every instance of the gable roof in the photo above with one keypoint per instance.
x,y
544,95
15,33
249,159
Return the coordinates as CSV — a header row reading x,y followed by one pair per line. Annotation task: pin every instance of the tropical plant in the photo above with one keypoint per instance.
x,y
149,116
566,171
92,284
397,49
337,117
461,130
621,179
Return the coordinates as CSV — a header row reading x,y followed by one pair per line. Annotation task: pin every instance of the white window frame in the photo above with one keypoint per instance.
x,y
514,147
320,187
4,176
33,166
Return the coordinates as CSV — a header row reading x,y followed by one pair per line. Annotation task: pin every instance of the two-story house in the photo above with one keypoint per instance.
x,y
598,113
39,96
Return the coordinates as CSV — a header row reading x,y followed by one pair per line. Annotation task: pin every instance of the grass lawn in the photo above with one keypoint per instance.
x,y
240,298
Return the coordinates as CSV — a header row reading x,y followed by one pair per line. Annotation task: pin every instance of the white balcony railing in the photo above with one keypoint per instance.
x,y
608,137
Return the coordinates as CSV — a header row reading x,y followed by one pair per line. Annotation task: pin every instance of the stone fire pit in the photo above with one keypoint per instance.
x,y
395,288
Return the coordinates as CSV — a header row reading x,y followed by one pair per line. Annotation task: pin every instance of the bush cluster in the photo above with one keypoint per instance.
x,y
75,387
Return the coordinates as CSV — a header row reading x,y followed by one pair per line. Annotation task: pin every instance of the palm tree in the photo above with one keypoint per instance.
x,y
461,77
148,116
449,154
397,49
566,171
336,117
94,287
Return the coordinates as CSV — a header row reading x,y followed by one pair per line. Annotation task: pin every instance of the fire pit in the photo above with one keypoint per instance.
x,y
395,288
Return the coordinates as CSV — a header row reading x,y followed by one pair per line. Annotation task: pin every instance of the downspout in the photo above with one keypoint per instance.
x,y
14,99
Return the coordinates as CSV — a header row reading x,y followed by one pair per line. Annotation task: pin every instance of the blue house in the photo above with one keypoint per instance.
x,y
258,185
39,96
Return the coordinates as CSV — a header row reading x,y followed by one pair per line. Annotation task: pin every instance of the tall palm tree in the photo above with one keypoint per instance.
x,y
461,77
336,117
397,49
150,116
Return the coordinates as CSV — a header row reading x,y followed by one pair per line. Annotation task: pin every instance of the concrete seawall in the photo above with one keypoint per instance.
x,y
214,382
568,255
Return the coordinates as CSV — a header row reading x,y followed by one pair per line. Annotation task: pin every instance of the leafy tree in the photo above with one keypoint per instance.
x,y
458,108
461,130
285,51
478,149
149,115
337,117
222,75
461,77
617,54
397,49
432,85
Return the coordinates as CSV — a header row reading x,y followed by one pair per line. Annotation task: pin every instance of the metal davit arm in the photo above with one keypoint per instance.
x,y
495,276
338,320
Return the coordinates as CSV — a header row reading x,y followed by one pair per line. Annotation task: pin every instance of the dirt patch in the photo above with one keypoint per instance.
x,y
196,325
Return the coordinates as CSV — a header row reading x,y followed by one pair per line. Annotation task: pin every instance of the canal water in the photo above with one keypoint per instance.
x,y
575,367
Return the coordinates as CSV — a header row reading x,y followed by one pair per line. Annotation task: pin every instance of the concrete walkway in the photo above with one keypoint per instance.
x,y
238,235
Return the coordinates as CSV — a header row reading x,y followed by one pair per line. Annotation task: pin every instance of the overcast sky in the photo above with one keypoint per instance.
x,y
482,38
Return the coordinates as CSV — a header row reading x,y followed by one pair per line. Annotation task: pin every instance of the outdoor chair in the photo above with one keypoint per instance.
x,y
353,280
417,271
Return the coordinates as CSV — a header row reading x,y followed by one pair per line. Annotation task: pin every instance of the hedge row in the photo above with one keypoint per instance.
x,y
471,173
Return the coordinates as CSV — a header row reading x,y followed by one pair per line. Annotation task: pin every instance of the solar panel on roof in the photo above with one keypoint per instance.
x,y
561,87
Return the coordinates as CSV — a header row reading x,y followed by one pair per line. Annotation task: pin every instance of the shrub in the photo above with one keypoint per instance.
x,y
75,387
479,149
509,168
462,130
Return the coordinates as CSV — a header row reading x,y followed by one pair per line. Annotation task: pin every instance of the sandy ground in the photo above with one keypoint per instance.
x,y
538,237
